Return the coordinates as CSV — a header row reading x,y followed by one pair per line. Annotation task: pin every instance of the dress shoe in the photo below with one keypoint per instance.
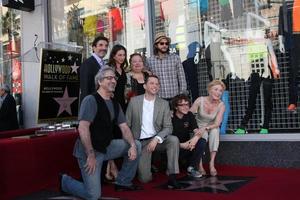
x,y
173,184
154,169
120,188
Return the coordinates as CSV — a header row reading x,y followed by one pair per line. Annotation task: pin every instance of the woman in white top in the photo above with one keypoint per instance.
x,y
209,114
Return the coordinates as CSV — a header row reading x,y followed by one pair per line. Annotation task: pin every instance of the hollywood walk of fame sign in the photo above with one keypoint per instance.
x,y
59,86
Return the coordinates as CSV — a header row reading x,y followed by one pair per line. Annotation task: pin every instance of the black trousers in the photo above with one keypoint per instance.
x,y
193,157
294,69
254,89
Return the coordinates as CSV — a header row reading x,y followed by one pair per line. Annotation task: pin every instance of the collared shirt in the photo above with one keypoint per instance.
x,y
170,73
148,129
99,60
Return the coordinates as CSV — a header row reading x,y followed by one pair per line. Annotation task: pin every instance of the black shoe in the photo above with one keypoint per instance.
x,y
120,188
154,169
174,185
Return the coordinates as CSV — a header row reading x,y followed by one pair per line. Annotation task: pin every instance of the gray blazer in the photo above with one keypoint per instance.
x,y
161,117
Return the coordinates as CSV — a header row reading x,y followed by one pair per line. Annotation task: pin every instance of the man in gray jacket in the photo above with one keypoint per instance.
x,y
149,118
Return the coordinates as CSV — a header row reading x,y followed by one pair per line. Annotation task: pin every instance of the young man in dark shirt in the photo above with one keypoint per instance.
x,y
192,145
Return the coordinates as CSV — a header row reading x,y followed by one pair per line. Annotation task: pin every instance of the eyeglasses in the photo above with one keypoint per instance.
x,y
110,78
164,43
183,104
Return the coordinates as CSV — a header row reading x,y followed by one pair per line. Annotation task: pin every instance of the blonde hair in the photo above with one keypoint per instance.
x,y
215,82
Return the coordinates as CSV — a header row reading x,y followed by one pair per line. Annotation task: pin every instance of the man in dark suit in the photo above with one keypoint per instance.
x,y
90,67
149,118
8,113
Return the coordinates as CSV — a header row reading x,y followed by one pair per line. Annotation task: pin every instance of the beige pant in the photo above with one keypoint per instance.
x,y
213,138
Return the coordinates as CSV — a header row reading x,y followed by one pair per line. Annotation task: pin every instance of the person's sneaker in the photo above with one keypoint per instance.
x,y
264,131
193,172
240,131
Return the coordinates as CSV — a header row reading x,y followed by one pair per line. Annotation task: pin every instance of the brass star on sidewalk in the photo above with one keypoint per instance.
x,y
210,182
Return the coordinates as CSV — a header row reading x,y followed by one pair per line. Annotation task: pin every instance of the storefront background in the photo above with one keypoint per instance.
x,y
134,23
10,34
79,22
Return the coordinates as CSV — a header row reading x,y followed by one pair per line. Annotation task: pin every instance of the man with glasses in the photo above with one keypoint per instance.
x,y
185,127
98,115
91,66
167,67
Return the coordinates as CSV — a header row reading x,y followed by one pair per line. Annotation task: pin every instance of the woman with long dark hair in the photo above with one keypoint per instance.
x,y
118,60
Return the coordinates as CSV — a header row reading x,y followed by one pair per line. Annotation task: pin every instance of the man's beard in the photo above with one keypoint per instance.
x,y
163,51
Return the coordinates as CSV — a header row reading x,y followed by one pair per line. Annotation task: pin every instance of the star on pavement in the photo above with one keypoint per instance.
x,y
74,68
210,182
65,102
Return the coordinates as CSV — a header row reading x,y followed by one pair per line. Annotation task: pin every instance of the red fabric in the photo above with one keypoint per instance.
x,y
19,132
117,23
100,26
296,16
29,165
162,15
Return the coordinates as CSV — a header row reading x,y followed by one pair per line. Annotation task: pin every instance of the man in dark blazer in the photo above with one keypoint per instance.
x,y
8,112
90,67
149,118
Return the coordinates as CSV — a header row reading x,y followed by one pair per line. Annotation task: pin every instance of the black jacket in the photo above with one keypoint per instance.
x,y
8,114
88,70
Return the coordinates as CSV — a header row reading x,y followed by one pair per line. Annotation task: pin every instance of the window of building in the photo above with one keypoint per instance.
x,y
78,22
10,34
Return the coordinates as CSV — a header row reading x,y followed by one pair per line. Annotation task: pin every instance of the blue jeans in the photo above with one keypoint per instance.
x,y
90,188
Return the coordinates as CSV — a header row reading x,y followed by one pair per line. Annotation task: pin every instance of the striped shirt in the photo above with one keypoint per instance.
x,y
170,73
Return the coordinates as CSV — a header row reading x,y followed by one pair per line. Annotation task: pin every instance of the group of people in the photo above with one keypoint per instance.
x,y
126,112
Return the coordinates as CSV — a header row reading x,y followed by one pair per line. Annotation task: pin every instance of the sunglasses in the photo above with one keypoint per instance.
x,y
164,43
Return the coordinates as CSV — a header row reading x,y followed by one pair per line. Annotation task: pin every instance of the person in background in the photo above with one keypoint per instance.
x,y
136,76
90,67
167,67
210,110
185,127
149,119
118,61
98,114
8,112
